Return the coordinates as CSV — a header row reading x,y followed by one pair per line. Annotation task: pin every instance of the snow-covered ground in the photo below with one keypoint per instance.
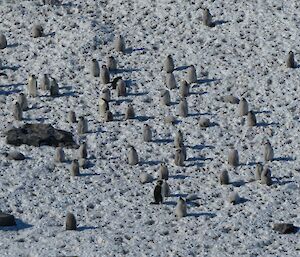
x,y
243,55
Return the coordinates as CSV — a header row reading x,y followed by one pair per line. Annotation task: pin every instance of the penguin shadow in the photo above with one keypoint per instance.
x,y
126,70
238,183
180,68
122,100
144,118
192,203
15,86
9,92
266,124
262,112
83,228
41,119
68,93
20,225
201,147
162,140
200,114
138,93
13,45
242,200
13,68
198,93
150,163
281,182
50,34
197,114
179,176
250,164
170,203
130,50
179,195
202,81
284,159
219,22
198,161
202,214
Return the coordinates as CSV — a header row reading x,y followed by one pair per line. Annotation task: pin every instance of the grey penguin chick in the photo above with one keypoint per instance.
x,y
95,68
158,198
268,152
181,208
179,157
165,189
169,64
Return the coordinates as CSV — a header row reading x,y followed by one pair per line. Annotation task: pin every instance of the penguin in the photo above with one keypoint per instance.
x,y
178,140
32,86
132,156
163,172
17,111
183,108
95,68
165,98
104,75
169,64
103,106
158,198
181,208
191,75
165,189
121,88
114,82
268,152
179,157
111,63
119,44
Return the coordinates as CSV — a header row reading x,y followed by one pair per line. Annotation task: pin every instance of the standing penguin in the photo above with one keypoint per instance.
x,y
165,189
103,107
179,157
158,198
268,152
32,86
181,208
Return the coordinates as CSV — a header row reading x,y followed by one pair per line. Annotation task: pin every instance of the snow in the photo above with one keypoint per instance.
x,y
243,55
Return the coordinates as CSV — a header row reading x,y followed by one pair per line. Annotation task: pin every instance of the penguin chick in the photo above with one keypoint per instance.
x,y
179,157
163,172
268,152
169,64
132,156
181,208
165,189
158,198
95,68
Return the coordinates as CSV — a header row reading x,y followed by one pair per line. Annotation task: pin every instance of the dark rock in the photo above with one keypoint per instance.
x,y
7,220
284,228
17,156
38,135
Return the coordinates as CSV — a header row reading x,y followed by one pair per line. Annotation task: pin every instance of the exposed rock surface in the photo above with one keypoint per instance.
x,y
39,134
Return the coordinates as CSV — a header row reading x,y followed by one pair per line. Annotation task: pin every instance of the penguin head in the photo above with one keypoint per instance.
x,y
159,182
